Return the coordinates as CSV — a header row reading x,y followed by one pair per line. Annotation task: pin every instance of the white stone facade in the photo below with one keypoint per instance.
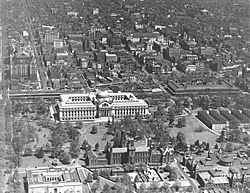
x,y
87,107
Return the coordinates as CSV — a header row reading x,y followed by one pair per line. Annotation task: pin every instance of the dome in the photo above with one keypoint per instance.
x,y
102,94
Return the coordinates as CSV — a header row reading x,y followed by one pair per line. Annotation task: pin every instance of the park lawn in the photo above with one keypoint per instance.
x,y
94,138
191,135
43,135
32,161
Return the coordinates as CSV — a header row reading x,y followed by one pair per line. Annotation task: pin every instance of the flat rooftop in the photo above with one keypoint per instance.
x,y
55,175
176,88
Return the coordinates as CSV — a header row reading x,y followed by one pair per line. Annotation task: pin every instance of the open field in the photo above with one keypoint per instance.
x,y
191,135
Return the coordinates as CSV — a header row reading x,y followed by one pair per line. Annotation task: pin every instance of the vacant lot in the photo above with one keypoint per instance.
x,y
191,135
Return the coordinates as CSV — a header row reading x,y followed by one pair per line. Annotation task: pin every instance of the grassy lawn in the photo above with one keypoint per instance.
x,y
43,134
94,138
32,161
191,135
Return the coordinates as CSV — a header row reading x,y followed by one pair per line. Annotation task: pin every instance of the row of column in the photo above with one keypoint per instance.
x,y
121,112
78,113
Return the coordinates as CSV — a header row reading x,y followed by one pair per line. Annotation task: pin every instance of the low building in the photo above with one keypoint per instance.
x,y
110,57
185,90
54,180
213,120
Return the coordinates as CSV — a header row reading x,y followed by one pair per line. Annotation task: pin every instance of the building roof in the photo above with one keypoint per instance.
x,y
178,89
220,180
142,149
119,150
46,176
85,100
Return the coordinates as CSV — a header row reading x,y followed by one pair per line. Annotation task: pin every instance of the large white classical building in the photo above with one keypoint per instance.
x,y
55,180
83,107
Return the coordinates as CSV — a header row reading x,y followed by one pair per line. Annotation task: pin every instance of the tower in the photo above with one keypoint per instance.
x,y
195,171
131,151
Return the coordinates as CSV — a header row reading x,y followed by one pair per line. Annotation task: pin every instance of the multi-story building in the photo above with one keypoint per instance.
x,y
79,107
51,36
129,153
23,66
54,180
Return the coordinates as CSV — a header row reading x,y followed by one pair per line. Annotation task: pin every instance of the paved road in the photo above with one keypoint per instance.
x,y
41,68
178,166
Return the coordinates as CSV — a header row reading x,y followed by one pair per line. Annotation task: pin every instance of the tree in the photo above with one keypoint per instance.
x,y
207,147
47,147
181,137
229,147
105,173
78,125
89,178
171,116
125,167
94,130
154,187
126,180
74,149
16,108
85,144
190,189
137,178
165,188
173,174
181,122
197,143
95,187
142,188
28,151
39,153
97,146
15,182
187,102
204,102
64,158
41,106
235,132
17,144
95,175
106,189
167,168
73,134
56,144
107,146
